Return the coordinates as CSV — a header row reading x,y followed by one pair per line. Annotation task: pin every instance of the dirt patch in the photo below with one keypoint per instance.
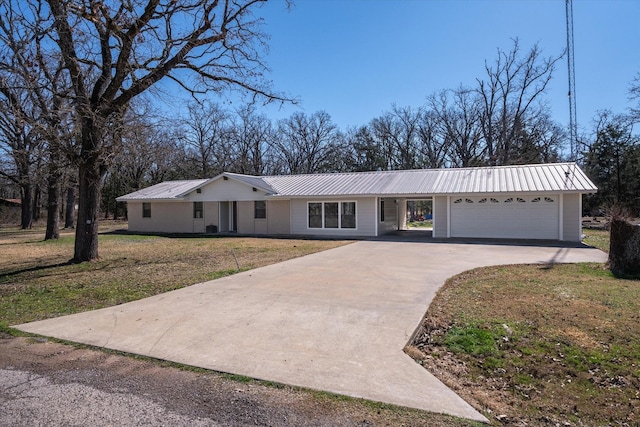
x,y
132,391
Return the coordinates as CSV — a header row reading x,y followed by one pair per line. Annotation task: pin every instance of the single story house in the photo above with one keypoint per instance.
x,y
542,201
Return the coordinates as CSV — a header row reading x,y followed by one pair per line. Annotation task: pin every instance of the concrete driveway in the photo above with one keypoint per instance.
x,y
335,321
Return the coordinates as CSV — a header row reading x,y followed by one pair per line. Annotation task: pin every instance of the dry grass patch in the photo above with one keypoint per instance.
x,y
538,346
597,238
37,282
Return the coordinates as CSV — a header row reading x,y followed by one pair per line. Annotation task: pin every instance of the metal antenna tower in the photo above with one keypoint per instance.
x,y
573,125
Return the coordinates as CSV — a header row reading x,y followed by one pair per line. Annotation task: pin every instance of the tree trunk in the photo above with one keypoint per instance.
x,y
37,200
86,244
91,170
70,207
53,200
26,200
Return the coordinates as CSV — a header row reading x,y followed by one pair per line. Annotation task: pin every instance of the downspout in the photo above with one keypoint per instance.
x,y
377,210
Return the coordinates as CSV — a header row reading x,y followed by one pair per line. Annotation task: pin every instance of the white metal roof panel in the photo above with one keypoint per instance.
x,y
164,191
554,177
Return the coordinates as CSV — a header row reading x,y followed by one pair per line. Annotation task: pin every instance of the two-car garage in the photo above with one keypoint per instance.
x,y
506,216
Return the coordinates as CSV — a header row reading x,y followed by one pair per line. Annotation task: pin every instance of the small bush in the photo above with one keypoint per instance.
x,y
624,252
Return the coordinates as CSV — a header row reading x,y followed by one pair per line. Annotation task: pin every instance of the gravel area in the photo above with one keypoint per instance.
x,y
45,383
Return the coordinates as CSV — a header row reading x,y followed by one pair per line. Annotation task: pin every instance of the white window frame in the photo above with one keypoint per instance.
x,y
196,210
322,214
255,211
143,210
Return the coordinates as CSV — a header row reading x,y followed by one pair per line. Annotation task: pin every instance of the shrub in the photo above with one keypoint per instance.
x,y
624,250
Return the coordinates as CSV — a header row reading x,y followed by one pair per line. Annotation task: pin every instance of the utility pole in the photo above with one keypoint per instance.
x,y
573,125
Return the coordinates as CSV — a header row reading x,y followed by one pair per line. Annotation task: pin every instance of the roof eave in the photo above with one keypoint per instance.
x,y
185,193
146,199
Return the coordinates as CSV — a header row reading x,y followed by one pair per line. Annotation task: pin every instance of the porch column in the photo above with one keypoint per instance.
x,y
402,213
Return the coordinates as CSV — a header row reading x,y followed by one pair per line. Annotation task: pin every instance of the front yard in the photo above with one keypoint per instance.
x,y
37,282
533,345
527,345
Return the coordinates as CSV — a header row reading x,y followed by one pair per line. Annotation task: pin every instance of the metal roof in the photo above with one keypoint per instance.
x,y
555,177
168,190
551,177
541,178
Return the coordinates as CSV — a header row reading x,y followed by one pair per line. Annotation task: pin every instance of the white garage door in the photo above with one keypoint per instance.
x,y
515,217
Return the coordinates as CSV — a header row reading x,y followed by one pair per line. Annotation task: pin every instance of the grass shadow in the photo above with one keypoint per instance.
x,y
37,268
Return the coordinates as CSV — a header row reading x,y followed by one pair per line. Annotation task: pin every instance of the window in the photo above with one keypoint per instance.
x,y
260,209
458,201
521,200
381,210
494,200
146,210
315,215
548,199
332,214
536,200
483,200
468,201
348,215
197,209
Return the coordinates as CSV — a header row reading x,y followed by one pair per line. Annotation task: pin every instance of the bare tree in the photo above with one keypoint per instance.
x,y
540,140
634,94
70,199
397,132
35,88
114,51
20,143
251,137
135,155
19,140
512,90
457,117
364,153
433,144
305,143
205,134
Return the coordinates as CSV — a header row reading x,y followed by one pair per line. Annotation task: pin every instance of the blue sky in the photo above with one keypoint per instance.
x,y
354,59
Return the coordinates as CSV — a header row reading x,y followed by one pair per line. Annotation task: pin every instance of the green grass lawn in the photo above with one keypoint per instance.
x,y
533,345
597,238
37,282
540,346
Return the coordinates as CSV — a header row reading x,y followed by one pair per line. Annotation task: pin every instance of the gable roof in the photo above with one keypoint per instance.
x,y
251,180
541,178
167,190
